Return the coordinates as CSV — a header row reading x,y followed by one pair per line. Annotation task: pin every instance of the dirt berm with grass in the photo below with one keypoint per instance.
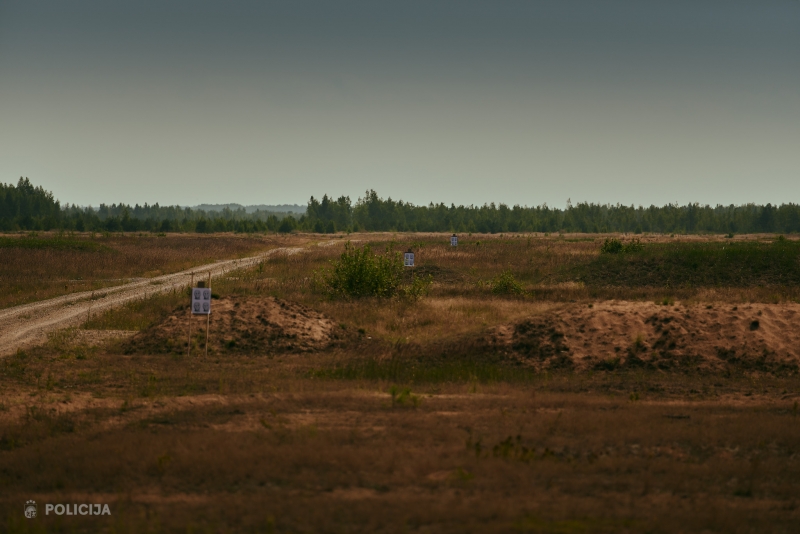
x,y
605,336
255,325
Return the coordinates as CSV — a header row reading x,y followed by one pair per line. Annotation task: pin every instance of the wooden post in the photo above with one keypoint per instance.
x,y
191,287
208,316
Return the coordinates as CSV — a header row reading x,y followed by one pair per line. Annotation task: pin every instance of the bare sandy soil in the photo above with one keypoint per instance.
x,y
29,324
254,325
643,334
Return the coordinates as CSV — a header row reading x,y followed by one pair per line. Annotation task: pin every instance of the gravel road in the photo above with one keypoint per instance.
x,y
29,324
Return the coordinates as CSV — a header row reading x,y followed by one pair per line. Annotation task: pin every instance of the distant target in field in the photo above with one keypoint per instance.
x,y
454,240
200,305
408,259
201,300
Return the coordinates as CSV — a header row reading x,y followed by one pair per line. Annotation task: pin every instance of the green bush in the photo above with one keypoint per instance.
x,y
615,246
418,288
360,273
506,284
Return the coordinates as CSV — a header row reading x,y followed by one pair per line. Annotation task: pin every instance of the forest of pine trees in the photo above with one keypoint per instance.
x,y
25,207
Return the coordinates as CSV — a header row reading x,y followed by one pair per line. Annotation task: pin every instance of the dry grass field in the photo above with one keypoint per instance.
x,y
655,391
44,265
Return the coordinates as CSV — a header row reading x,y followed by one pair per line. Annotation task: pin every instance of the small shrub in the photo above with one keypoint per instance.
x,y
403,397
419,287
506,284
611,246
360,273
615,246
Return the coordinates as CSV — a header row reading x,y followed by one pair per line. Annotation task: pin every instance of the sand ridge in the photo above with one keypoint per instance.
x,y
255,325
609,334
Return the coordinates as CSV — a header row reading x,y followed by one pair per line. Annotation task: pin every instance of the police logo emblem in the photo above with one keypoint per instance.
x,y
30,509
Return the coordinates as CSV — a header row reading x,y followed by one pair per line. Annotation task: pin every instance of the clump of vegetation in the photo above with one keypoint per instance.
x,y
361,273
506,284
403,397
699,264
615,246
418,288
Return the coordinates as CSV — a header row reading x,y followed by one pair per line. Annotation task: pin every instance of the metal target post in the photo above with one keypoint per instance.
x,y
408,261
191,290
208,316
201,305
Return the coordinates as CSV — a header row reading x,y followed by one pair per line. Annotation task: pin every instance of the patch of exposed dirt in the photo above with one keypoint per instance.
x,y
759,337
253,325
98,337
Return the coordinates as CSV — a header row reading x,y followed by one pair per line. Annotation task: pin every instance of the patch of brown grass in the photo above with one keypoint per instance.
x,y
31,274
563,452
266,440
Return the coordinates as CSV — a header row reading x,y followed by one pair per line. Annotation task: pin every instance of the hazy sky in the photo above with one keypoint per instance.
x,y
468,102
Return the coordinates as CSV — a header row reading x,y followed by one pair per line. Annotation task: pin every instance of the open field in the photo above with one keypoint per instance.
x,y
651,391
44,265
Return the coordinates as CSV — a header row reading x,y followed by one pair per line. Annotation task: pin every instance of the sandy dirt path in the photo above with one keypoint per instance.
x,y
29,324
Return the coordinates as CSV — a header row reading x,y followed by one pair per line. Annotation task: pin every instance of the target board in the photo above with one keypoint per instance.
x,y
454,241
408,259
201,301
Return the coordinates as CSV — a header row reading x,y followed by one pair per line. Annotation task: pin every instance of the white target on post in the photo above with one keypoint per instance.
x,y
201,301
454,241
408,259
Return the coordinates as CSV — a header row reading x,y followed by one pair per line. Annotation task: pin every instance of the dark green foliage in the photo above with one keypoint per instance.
x,y
327,215
418,288
741,264
31,208
361,273
287,225
611,246
615,246
506,284
27,207
373,213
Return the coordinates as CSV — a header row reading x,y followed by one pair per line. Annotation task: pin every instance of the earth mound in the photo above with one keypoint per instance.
x,y
253,325
758,337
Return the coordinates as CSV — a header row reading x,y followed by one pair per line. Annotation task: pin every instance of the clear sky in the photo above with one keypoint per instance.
x,y
521,102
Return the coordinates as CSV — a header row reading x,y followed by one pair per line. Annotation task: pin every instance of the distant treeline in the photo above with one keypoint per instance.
x,y
25,207
372,213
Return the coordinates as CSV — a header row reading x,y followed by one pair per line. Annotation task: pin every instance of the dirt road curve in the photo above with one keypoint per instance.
x,y
30,323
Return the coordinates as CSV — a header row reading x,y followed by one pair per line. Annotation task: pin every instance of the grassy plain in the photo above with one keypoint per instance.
x,y
414,420
44,265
